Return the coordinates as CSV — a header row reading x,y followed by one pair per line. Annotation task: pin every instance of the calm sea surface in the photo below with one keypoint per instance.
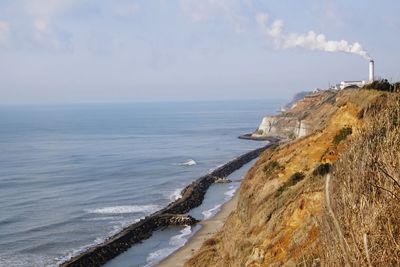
x,y
72,175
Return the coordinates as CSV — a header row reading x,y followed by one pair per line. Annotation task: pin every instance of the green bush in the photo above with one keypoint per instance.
x,y
342,135
383,85
270,166
280,191
294,179
322,169
396,87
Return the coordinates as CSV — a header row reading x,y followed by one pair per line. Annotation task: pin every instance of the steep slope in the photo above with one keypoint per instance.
x,y
299,120
362,226
281,205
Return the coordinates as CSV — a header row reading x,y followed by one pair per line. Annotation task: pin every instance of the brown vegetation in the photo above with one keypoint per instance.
x,y
287,230
366,196
342,135
294,179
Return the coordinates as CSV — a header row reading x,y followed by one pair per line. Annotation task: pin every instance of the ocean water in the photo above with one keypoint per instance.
x,y
72,175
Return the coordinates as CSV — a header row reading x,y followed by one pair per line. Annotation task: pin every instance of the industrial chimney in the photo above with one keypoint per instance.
x,y
371,71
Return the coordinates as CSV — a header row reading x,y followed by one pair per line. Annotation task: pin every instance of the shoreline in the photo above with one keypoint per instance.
x,y
250,136
172,214
208,228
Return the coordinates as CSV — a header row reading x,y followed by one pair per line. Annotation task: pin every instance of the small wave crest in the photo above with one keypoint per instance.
x,y
105,218
176,194
21,260
125,209
213,169
175,242
231,192
209,213
189,162
97,241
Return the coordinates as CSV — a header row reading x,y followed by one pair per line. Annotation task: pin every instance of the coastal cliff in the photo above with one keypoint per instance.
x,y
298,120
329,196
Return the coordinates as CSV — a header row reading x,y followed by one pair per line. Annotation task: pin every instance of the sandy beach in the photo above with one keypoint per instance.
x,y
208,229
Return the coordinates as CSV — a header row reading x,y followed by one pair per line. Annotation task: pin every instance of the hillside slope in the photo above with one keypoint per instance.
x,y
281,218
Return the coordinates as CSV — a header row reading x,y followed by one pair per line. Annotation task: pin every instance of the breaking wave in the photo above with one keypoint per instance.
x,y
231,192
209,213
125,209
97,241
189,162
175,242
176,194
213,169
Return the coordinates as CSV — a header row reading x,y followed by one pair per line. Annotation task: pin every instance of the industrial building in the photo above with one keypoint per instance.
x,y
371,78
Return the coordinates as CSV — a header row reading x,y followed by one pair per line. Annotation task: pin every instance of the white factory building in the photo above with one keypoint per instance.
x,y
345,84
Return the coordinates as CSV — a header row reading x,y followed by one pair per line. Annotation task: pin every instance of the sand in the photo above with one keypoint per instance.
x,y
208,229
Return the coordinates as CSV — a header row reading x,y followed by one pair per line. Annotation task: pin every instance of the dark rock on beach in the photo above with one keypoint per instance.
x,y
221,180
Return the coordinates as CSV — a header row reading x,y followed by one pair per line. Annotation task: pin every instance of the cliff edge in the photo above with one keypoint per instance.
x,y
290,214
299,119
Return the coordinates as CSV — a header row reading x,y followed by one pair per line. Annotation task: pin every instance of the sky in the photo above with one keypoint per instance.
x,y
96,51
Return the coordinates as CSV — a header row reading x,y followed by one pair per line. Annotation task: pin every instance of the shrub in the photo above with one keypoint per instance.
x,y
280,191
396,87
210,242
294,179
383,85
322,169
342,135
270,166
380,85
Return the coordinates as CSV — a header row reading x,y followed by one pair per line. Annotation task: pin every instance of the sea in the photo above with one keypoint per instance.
x,y
73,175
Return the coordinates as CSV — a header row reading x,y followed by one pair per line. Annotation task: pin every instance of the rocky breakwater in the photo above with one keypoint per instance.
x,y
173,214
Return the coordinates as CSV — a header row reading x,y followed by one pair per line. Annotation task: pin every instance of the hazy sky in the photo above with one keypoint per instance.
x,y
69,51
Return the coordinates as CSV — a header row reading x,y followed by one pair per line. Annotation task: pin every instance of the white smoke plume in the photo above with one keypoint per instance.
x,y
310,40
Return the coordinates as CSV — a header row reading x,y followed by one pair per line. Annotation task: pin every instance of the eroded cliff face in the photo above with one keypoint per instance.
x,y
277,220
298,120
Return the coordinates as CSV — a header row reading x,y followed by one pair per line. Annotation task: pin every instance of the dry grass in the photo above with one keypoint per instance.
x,y
265,230
362,228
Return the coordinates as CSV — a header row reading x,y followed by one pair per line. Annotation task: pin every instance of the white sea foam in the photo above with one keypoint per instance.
x,y
213,169
125,209
122,224
189,162
116,229
175,242
176,194
209,213
77,251
23,260
231,192
105,218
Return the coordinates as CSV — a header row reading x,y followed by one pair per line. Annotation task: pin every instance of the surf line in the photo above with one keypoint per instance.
x,y
173,214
